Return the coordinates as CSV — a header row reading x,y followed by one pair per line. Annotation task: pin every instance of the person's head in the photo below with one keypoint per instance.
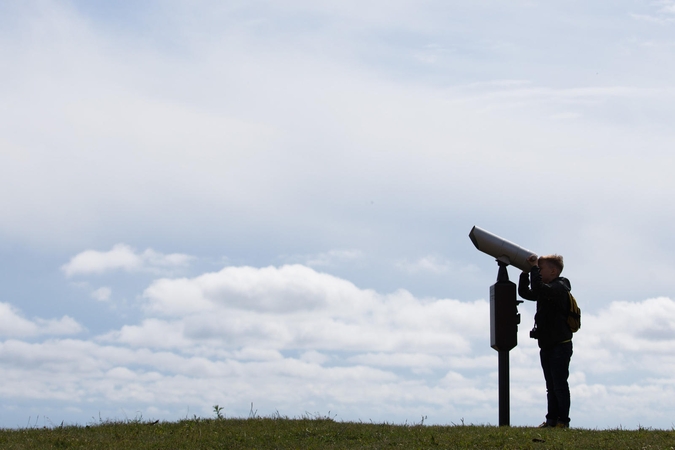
x,y
550,267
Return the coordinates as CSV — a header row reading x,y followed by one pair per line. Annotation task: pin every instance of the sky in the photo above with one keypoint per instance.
x,y
265,206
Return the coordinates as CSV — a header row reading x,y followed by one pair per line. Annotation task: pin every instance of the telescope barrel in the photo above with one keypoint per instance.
x,y
503,250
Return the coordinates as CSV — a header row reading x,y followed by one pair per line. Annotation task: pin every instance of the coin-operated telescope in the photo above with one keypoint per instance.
x,y
504,316
503,250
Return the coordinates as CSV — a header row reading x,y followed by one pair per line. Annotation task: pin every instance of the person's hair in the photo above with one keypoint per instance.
x,y
556,260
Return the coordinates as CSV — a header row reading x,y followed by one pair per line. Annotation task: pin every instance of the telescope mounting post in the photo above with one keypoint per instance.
x,y
504,320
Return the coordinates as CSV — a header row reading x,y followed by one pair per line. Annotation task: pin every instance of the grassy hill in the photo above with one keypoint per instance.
x,y
322,433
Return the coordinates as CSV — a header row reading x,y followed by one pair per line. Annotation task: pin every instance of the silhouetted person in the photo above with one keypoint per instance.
x,y
544,285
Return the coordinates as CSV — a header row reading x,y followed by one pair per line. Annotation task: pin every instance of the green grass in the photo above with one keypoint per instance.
x,y
322,433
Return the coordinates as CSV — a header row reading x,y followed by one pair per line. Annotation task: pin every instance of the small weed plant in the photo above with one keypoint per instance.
x,y
218,410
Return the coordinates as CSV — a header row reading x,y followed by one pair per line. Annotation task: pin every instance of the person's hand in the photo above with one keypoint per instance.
x,y
533,260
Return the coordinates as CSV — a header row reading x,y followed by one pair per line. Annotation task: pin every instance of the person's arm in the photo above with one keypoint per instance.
x,y
524,287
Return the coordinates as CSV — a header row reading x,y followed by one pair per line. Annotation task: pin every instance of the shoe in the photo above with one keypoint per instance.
x,y
562,425
546,425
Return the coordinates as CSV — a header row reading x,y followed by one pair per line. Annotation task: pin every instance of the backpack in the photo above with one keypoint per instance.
x,y
574,314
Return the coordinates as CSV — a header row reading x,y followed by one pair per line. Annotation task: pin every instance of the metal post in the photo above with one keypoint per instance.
x,y
504,319
504,402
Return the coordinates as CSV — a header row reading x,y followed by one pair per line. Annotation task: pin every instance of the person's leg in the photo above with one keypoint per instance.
x,y
551,399
559,365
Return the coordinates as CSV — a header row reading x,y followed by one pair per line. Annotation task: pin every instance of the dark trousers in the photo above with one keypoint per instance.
x,y
555,362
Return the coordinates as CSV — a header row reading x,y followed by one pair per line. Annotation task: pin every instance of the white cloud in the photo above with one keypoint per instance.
x,y
437,265
13,325
329,258
102,294
123,257
663,16
315,357
151,333
63,326
235,336
628,335
293,307
430,263
441,344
